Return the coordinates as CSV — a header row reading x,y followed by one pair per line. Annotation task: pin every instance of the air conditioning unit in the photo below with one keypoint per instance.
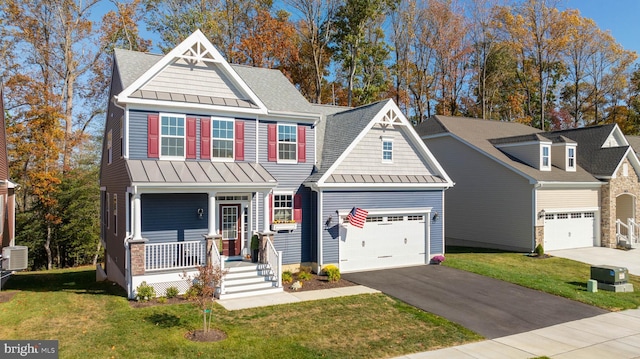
x,y
15,258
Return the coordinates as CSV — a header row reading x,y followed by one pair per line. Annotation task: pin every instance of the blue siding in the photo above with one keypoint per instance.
x,y
289,176
173,217
334,201
138,136
296,246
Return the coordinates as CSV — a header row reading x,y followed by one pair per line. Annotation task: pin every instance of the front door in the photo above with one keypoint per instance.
x,y
231,229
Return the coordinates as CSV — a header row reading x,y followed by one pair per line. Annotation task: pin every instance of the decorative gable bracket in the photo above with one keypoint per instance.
x,y
390,118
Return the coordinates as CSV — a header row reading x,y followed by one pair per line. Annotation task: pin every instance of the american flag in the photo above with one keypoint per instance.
x,y
357,217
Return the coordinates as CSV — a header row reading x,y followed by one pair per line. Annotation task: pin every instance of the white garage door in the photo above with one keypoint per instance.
x,y
385,241
569,230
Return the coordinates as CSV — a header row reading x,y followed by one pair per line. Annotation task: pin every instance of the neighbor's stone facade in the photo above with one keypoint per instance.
x,y
539,236
609,193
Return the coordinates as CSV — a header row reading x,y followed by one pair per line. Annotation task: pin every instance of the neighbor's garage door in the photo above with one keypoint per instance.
x,y
385,241
569,230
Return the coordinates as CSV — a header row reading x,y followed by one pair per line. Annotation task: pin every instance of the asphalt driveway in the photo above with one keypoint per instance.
x,y
488,306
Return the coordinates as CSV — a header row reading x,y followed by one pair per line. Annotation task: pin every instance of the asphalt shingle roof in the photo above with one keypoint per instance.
x,y
483,135
340,130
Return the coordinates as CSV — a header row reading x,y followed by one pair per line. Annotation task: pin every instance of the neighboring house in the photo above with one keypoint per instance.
x,y
517,187
7,188
199,155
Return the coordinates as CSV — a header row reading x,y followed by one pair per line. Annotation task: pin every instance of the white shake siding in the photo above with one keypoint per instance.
x,y
366,157
507,222
204,79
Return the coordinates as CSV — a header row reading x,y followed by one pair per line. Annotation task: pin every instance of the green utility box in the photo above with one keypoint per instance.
x,y
610,274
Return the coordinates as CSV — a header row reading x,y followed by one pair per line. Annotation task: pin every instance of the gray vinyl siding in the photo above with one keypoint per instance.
x,y
337,200
366,157
173,217
291,175
204,79
138,136
490,205
530,154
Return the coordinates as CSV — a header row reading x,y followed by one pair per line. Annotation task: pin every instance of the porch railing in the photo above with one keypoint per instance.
x,y
216,260
174,255
274,258
628,234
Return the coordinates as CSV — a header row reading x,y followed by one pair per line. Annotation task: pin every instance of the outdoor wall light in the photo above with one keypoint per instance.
x,y
541,214
435,217
200,212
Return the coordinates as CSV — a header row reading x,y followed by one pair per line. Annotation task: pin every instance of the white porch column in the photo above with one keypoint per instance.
x,y
266,212
137,217
212,214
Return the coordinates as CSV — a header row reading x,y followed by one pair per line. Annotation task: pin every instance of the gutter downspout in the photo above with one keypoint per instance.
x,y
535,214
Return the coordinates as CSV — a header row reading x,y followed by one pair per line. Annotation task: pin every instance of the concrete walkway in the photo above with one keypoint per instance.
x,y
611,335
286,298
600,255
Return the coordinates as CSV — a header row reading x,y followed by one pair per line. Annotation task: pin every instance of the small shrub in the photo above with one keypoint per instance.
x,y
287,277
162,300
304,276
145,292
192,293
332,272
540,250
172,292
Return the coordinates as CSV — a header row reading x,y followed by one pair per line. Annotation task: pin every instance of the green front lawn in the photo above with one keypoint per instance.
x,y
94,320
553,275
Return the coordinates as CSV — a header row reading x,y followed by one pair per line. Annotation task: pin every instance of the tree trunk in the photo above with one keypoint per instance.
x,y
95,257
47,248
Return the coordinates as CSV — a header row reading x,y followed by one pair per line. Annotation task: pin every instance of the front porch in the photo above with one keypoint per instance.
x,y
165,265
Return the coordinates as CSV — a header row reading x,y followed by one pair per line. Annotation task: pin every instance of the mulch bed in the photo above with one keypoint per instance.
x,y
213,335
318,282
154,302
6,296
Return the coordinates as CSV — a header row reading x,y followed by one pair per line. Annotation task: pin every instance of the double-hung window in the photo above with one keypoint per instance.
x,y
109,146
571,157
222,138
172,135
545,157
282,207
387,150
287,143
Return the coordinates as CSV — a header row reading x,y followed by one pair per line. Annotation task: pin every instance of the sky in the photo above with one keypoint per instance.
x,y
620,17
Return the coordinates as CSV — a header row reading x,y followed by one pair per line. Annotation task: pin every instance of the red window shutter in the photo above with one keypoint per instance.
x,y
205,138
272,148
191,137
239,140
302,144
153,136
297,208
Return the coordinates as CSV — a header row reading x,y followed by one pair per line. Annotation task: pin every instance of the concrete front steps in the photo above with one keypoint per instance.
x,y
246,279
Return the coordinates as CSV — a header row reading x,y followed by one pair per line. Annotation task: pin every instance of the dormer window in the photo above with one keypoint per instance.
x,y
546,160
571,158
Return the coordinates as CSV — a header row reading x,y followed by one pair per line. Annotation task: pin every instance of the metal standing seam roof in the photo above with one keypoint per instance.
x,y
482,134
200,172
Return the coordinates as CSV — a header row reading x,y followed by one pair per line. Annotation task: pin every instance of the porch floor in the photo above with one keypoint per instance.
x,y
238,263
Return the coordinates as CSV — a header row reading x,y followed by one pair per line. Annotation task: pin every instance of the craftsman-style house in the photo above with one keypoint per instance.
x,y
201,155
